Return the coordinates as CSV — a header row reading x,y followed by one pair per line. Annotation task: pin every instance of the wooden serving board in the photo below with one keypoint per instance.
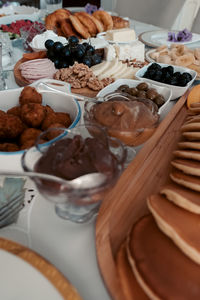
x,y
21,81
126,202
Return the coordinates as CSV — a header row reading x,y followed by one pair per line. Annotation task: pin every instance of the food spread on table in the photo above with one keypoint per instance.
x,y
91,50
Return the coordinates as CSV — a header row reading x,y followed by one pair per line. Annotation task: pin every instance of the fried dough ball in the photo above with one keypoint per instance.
x,y
48,120
27,144
2,113
52,134
48,109
16,111
30,95
63,118
9,147
13,126
29,134
33,114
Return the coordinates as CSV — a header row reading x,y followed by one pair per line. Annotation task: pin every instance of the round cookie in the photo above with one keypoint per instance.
x,y
188,181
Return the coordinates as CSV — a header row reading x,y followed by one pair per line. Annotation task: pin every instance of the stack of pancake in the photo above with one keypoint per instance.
x,y
161,257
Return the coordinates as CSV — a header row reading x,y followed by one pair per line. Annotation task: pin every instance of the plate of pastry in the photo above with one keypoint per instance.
x,y
157,38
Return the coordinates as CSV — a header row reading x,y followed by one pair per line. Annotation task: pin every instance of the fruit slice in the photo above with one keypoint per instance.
x,y
194,95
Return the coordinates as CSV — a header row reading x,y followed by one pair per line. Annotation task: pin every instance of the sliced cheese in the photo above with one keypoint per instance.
x,y
121,35
129,73
122,70
112,68
99,68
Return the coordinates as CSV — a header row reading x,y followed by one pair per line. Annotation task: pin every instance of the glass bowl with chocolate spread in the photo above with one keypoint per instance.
x,y
73,154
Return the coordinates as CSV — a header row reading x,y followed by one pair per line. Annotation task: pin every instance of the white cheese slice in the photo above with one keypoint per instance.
x,y
131,51
99,68
129,73
121,35
109,53
112,68
121,71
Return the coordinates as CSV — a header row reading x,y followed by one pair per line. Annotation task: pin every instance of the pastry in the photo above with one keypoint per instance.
x,y
193,126
182,197
98,23
192,135
67,28
161,269
79,27
105,18
85,19
188,154
189,145
188,166
191,182
119,22
178,224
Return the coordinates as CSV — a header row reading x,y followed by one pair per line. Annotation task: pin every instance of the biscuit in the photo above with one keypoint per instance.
x,y
161,269
189,145
187,166
192,135
182,197
188,154
178,224
188,181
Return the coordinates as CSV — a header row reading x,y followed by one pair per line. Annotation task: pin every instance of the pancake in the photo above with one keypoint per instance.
x,y
192,119
189,145
182,197
192,135
177,223
130,287
193,126
187,166
188,181
195,109
162,270
188,154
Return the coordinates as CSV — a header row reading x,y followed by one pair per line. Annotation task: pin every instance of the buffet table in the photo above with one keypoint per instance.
x,y
70,247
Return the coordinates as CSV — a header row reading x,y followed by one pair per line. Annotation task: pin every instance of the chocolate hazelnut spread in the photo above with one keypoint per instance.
x,y
72,157
133,122
164,269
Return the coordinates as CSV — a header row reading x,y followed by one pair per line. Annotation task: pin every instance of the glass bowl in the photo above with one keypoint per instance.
x,y
132,122
74,153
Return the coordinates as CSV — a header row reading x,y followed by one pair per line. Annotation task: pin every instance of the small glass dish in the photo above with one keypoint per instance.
x,y
132,122
76,152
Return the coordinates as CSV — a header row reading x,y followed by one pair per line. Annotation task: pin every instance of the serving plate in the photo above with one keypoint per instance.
x,y
156,38
126,202
26,275
23,82
149,59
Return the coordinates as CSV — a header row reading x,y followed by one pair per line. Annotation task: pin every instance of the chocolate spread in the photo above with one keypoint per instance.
x,y
72,157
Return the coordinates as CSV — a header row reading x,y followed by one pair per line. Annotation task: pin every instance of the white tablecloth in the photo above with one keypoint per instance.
x,y
70,247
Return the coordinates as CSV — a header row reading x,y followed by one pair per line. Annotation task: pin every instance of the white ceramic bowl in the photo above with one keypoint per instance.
x,y
60,103
177,91
164,91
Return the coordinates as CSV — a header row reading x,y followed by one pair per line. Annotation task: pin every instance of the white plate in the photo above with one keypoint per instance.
x,y
165,91
20,280
159,37
149,59
14,13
